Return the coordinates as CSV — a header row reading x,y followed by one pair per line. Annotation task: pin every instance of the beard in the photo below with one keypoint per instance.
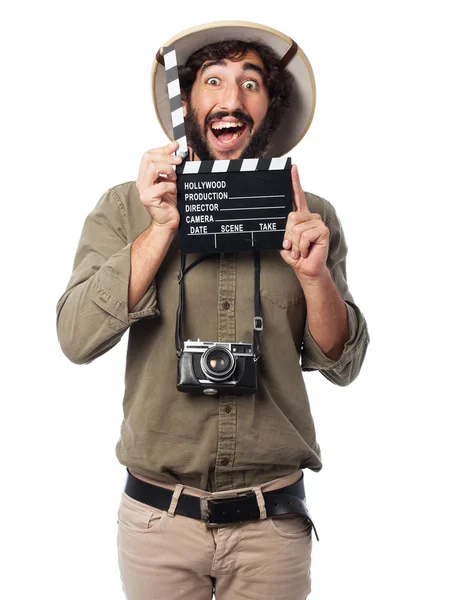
x,y
197,138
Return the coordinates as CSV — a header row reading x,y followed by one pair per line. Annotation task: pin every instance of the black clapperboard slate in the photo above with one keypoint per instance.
x,y
233,205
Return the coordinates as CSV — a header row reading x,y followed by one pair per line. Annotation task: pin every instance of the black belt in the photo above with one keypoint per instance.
x,y
225,509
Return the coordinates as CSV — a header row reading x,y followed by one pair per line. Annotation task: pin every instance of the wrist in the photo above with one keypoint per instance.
x,y
158,228
315,281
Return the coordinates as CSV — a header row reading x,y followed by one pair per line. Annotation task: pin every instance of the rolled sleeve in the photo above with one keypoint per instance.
x,y
344,370
313,358
109,290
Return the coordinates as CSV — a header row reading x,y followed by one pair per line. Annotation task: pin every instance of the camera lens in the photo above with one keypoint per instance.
x,y
218,363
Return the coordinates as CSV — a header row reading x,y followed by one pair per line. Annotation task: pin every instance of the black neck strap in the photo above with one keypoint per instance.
x,y
257,322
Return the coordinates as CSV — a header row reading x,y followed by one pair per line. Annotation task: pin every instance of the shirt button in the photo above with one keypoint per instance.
x,y
226,304
224,461
228,409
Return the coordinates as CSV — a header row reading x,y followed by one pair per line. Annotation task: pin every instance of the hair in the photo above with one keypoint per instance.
x,y
277,79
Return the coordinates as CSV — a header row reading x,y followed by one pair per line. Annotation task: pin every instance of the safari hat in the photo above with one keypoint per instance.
x,y
297,117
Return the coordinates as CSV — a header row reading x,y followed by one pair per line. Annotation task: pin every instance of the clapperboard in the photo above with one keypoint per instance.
x,y
227,205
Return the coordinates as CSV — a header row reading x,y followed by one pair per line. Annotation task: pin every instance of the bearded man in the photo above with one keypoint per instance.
x,y
214,499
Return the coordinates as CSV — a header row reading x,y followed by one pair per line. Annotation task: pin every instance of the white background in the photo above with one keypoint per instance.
x,y
388,146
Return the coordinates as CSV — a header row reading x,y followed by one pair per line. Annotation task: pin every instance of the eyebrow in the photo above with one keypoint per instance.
x,y
247,66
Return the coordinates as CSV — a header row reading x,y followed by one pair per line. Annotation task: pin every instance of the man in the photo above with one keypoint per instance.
x,y
190,457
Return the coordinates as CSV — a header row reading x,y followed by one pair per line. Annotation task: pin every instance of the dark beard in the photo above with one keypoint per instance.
x,y
198,141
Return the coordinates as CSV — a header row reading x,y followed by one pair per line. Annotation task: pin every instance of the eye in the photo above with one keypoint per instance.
x,y
213,80
251,84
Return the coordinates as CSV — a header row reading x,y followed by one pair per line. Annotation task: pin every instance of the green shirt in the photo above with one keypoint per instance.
x,y
210,442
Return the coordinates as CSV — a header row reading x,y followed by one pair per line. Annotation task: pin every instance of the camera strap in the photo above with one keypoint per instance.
x,y
257,322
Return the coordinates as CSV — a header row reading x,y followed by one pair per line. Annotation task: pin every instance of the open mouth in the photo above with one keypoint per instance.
x,y
228,134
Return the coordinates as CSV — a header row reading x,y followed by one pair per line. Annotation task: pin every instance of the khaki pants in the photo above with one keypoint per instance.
x,y
165,556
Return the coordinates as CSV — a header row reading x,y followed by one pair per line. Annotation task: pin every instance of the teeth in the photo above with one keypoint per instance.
x,y
223,125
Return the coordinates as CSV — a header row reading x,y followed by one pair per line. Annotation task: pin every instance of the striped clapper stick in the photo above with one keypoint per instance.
x,y
227,205
174,95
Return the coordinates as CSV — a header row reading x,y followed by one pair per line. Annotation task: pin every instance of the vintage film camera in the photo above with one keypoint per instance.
x,y
217,367
214,367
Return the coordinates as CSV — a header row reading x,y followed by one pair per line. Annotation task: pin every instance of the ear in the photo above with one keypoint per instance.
x,y
183,104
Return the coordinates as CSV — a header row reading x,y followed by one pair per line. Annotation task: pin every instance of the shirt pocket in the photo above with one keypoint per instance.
x,y
139,517
278,281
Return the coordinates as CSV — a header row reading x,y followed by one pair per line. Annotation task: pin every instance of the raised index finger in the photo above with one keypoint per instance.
x,y
299,196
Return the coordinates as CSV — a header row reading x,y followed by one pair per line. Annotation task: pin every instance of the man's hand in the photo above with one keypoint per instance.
x,y
156,183
306,239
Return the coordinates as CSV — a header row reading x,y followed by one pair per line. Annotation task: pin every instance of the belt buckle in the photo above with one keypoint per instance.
x,y
205,513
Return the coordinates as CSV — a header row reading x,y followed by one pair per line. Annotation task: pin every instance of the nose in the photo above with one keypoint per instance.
x,y
231,98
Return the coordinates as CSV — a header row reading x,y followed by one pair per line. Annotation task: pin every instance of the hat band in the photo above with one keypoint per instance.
x,y
159,57
289,55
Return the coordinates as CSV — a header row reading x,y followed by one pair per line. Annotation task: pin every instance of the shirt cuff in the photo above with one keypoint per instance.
x,y
110,290
313,357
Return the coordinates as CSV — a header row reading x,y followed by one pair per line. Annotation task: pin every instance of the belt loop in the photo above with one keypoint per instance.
x,y
174,499
260,499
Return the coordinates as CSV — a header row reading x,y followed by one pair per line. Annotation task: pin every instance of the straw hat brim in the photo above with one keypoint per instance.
x,y
297,117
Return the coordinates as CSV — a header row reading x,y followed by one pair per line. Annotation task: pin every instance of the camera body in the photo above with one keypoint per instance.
x,y
217,367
